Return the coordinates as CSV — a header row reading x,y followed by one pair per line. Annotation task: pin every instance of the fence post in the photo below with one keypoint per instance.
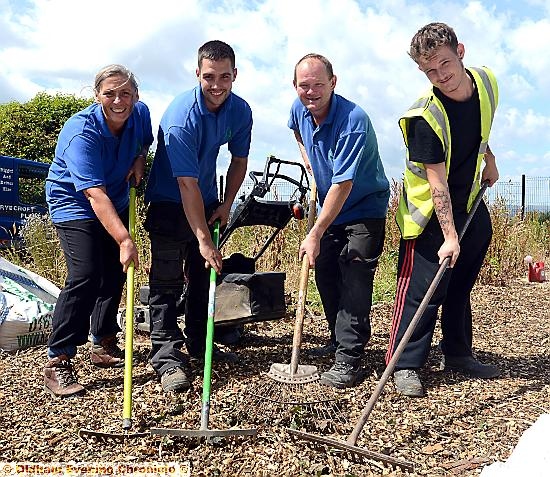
x,y
522,196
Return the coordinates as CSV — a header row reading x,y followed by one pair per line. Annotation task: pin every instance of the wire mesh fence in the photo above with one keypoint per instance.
x,y
529,194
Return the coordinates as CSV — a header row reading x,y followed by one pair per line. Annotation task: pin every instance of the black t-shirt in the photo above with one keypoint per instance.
x,y
465,124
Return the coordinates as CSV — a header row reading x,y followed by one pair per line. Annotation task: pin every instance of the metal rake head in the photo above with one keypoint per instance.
x,y
117,437
357,454
311,405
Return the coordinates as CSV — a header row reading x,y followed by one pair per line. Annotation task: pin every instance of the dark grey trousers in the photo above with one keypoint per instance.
x,y
344,273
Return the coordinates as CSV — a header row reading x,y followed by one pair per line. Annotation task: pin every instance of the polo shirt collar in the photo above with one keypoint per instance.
x,y
105,131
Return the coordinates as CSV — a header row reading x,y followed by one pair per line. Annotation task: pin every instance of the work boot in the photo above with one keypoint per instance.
x,y
469,366
322,351
342,375
174,380
60,378
107,354
408,383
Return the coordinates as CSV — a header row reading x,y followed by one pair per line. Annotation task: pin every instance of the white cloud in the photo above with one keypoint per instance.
x,y
51,45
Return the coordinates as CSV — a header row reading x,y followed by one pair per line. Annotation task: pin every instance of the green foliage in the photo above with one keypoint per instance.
x,y
29,130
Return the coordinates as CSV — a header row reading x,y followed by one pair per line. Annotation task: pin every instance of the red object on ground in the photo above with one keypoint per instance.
x,y
537,272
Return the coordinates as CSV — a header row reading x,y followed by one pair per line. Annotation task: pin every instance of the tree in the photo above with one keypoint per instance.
x,y
29,130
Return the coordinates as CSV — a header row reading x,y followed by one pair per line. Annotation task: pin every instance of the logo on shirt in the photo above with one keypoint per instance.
x,y
227,134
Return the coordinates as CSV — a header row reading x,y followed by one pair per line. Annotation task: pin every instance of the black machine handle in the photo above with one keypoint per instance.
x,y
261,187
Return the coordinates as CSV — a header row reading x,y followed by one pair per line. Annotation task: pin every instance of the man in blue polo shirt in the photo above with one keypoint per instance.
x,y
191,132
338,144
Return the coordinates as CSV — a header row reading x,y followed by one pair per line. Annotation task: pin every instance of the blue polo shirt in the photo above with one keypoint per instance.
x,y
88,155
344,148
189,141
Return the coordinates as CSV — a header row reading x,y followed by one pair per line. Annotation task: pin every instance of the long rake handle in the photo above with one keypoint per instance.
x,y
129,336
352,439
207,376
302,289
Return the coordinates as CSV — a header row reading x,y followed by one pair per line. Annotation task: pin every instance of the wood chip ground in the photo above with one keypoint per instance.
x,y
460,426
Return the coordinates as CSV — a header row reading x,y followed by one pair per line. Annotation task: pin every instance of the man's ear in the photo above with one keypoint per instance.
x,y
234,73
460,50
333,81
198,72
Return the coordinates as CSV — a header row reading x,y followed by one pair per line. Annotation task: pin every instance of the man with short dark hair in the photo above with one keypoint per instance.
x,y
183,204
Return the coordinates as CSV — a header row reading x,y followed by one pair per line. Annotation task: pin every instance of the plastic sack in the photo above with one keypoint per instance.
x,y
27,302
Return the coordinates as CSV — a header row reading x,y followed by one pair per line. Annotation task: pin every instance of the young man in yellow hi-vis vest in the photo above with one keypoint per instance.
x,y
446,133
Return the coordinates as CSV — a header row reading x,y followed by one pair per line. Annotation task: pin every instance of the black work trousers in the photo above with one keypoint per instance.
x,y
417,267
175,262
344,274
93,288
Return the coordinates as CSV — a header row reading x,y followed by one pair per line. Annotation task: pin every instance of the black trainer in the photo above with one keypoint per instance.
x,y
228,335
174,380
342,375
469,366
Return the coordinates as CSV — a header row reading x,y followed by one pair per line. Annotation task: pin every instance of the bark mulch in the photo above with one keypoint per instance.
x,y
460,426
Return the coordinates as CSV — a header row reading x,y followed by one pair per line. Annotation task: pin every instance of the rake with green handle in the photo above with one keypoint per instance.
x,y
204,430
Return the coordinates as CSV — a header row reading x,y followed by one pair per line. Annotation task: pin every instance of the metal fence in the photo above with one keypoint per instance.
x,y
530,194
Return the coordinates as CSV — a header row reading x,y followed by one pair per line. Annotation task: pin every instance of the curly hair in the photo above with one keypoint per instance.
x,y
430,37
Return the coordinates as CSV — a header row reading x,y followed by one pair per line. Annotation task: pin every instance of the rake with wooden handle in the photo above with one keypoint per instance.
x,y
349,444
296,386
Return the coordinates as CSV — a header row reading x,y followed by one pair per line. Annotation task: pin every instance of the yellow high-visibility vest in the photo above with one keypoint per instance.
x,y
415,204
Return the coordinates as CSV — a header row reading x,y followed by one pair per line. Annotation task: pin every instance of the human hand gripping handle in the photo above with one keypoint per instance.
x,y
211,254
137,170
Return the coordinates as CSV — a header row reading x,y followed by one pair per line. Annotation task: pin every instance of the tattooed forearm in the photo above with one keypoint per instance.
x,y
443,209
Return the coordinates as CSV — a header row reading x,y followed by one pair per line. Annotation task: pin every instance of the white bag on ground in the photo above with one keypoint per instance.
x,y
27,301
530,457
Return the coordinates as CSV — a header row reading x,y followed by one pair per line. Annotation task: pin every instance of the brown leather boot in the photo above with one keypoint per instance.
x,y
107,354
60,378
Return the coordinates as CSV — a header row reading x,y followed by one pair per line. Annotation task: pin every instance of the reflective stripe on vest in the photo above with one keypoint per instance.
x,y
415,204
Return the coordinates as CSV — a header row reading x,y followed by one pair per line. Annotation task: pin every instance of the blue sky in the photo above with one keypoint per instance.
x,y
58,45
